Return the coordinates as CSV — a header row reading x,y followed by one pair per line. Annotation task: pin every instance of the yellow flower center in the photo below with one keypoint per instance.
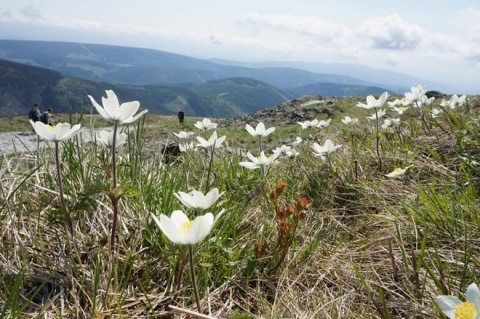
x,y
398,170
465,310
51,128
185,226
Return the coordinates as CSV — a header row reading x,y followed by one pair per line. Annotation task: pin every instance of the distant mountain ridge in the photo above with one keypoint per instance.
x,y
136,66
22,85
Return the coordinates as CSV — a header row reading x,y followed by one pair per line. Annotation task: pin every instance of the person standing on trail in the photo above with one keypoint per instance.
x,y
181,115
34,113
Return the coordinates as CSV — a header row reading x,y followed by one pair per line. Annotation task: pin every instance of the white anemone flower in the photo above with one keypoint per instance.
x,y
327,148
298,141
308,124
183,231
105,138
261,161
213,141
322,123
454,101
397,172
198,200
58,133
416,94
401,109
182,135
436,112
390,123
116,112
395,103
453,308
259,130
185,147
206,125
372,102
380,113
349,121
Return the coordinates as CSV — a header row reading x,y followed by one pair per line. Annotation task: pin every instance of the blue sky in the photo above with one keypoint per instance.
x,y
436,40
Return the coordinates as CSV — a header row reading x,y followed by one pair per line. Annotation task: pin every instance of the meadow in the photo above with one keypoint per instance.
x,y
376,224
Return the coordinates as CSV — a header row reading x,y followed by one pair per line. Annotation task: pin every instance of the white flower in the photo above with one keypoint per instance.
x,y
298,141
187,146
182,135
436,112
327,148
454,102
396,103
259,130
58,133
349,121
206,125
400,109
416,94
398,172
390,122
308,124
113,110
453,308
180,230
105,138
213,141
261,161
287,151
381,113
323,123
197,200
372,102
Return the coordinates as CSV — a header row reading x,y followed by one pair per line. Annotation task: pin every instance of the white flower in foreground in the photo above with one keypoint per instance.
x,y
113,110
372,102
322,123
349,121
261,161
182,135
58,133
453,308
197,200
206,125
380,113
183,231
105,138
327,148
259,130
213,141
308,124
398,172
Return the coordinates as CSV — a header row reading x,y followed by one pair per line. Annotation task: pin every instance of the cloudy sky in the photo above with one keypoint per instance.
x,y
437,40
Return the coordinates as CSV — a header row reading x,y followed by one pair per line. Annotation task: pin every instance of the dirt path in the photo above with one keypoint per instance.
x,y
12,142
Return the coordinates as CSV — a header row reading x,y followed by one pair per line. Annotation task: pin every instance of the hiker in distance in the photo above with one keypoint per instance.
x,y
181,115
34,113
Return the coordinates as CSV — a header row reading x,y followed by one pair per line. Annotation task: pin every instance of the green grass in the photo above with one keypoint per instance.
x,y
367,247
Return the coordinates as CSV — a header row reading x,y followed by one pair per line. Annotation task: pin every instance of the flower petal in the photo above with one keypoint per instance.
x,y
44,131
199,229
473,295
169,228
447,304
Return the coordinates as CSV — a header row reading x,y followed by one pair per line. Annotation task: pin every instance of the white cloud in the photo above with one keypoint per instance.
x,y
391,32
31,12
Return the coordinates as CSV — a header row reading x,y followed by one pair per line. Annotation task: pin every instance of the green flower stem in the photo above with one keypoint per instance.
x,y
68,218
192,274
377,140
114,198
